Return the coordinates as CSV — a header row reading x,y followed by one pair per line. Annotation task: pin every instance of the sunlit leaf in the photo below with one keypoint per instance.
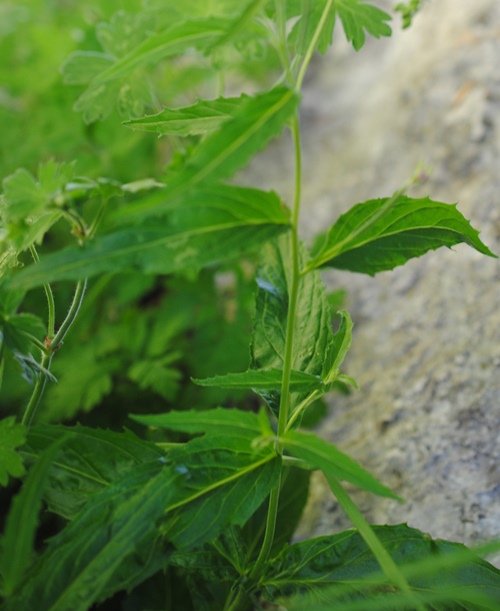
x,y
381,234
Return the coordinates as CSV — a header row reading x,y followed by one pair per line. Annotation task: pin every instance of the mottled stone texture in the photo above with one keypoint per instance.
x,y
426,349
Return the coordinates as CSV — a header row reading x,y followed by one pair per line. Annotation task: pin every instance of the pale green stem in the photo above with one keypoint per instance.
x,y
383,557
51,318
47,356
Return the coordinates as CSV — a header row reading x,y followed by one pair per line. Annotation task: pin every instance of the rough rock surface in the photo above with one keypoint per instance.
x,y
426,349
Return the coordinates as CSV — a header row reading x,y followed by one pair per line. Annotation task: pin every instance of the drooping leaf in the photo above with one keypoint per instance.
x,y
12,436
88,463
217,421
313,333
209,224
339,347
340,570
79,563
381,234
224,481
325,456
22,521
264,379
203,117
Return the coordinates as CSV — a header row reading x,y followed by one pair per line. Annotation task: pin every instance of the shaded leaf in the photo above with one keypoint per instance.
x,y
381,234
325,456
339,347
22,521
340,570
12,436
158,375
87,464
208,225
200,118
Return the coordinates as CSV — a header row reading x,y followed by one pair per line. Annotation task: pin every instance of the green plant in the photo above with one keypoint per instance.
x,y
197,510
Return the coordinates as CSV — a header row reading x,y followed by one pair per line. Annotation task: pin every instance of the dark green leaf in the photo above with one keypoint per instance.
x,y
200,118
339,347
341,571
81,560
217,421
87,464
325,456
12,436
22,520
268,379
209,224
381,234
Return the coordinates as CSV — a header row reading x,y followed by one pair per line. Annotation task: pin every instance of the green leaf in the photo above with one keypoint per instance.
x,y
381,234
313,332
80,562
217,421
158,375
203,117
325,456
224,481
268,379
338,349
305,27
359,18
341,571
223,152
82,67
22,520
86,464
12,436
209,224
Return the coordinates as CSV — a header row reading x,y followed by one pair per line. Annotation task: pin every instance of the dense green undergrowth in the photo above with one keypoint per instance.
x,y
166,337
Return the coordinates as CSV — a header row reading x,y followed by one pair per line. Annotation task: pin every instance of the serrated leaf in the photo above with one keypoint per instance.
x,y
156,375
359,19
80,561
313,331
12,436
341,570
381,234
217,421
22,520
305,27
268,379
210,224
200,118
87,464
82,67
339,347
325,456
224,481
23,196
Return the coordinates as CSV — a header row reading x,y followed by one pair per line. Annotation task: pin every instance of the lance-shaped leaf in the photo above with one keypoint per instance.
x,y
224,481
217,421
339,347
81,560
90,461
210,224
381,234
341,570
223,152
325,456
200,118
22,521
264,379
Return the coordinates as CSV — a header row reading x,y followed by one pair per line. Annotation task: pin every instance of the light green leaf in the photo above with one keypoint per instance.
x,y
340,571
224,481
223,152
80,562
82,67
209,225
264,379
200,118
12,436
381,234
359,18
22,520
86,464
325,456
217,421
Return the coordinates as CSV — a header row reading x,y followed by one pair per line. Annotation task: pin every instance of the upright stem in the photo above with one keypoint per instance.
x,y
46,359
51,318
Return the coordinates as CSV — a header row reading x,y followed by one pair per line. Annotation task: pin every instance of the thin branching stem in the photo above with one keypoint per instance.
x,y
51,305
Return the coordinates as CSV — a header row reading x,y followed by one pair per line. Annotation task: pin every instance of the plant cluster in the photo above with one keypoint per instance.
x,y
161,492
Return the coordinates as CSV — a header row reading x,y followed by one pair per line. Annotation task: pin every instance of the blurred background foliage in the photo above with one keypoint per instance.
x,y
138,339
